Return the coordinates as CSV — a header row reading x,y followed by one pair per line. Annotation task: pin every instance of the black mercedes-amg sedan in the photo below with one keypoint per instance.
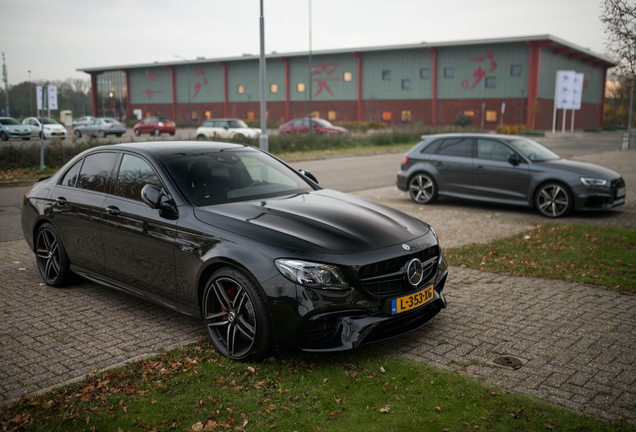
x,y
229,233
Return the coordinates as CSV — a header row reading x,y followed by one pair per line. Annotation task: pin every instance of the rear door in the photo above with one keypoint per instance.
x,y
496,178
77,210
138,241
453,163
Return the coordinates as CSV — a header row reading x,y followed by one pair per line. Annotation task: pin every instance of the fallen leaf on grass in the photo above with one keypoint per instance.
x,y
518,413
438,409
382,369
386,409
324,381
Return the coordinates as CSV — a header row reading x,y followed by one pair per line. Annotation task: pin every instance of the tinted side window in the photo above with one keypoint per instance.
x,y
95,171
457,147
134,174
71,175
432,147
493,150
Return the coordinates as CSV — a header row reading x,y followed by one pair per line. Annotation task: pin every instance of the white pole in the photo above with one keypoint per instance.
x,y
263,140
572,125
556,96
563,125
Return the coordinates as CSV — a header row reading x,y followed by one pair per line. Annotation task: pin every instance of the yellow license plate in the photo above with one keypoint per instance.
x,y
23,133
118,127
411,301
58,133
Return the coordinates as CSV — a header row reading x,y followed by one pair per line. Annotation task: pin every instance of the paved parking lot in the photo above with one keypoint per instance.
x,y
578,340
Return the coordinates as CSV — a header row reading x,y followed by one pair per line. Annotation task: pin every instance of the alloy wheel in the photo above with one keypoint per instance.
x,y
422,189
553,200
48,255
230,317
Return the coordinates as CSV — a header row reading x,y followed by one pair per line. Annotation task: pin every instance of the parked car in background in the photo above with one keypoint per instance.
x,y
11,128
506,169
82,121
52,129
100,127
226,129
265,256
319,126
155,125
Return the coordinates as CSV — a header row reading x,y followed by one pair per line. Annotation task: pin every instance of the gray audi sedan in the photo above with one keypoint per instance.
x,y
506,169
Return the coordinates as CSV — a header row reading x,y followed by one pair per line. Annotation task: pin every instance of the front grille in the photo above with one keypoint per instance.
x,y
618,183
388,277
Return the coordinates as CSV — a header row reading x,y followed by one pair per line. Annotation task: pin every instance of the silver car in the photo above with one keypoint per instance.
x,y
100,127
506,169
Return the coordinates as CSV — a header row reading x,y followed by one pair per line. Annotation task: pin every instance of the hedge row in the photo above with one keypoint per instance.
x,y
57,154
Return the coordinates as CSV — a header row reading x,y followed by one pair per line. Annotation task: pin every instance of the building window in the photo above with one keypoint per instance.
x,y
273,88
406,116
406,84
586,81
386,75
331,115
250,115
469,113
449,72
515,70
208,115
240,89
490,82
195,116
315,114
491,116
425,73
300,87
347,76
386,116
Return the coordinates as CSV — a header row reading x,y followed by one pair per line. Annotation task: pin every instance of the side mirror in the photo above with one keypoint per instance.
x,y
151,195
514,159
309,175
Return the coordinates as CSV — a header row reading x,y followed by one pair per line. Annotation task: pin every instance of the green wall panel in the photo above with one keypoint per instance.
x,y
206,83
151,85
403,65
471,62
551,63
329,77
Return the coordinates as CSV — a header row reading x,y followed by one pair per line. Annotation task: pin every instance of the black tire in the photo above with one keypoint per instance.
x,y
236,317
40,135
171,133
4,136
422,188
102,134
53,263
201,137
156,132
26,139
118,135
137,133
77,133
553,200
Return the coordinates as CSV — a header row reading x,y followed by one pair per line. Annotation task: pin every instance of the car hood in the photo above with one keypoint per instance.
x,y
582,168
321,221
337,128
55,127
19,128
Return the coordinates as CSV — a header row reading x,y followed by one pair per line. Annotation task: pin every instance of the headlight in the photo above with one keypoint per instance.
x,y
590,181
160,124
313,275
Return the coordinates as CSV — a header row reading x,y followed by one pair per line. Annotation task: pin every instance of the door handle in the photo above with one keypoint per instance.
x,y
112,210
439,164
480,168
61,201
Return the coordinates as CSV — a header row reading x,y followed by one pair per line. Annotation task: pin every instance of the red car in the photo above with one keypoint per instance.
x,y
156,126
319,126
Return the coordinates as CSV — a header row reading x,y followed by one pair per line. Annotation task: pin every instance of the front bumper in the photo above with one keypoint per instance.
x,y
600,198
54,134
17,134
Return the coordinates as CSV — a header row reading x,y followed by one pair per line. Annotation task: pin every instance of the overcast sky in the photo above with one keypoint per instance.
x,y
53,38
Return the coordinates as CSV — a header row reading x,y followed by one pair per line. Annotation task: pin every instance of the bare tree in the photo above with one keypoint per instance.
x,y
619,18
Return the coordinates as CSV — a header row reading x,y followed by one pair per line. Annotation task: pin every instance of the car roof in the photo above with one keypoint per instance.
x,y
162,147
215,119
470,135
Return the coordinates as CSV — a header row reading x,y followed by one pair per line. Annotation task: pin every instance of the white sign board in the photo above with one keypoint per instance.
x,y
38,92
577,91
52,93
565,89
137,113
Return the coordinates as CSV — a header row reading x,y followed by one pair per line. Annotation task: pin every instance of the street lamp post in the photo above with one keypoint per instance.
x,y
311,69
263,140
188,81
30,96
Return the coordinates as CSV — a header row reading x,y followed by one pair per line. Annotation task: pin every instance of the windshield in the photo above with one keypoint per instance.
x,y
323,123
532,149
48,121
9,121
163,119
237,124
232,175
110,121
